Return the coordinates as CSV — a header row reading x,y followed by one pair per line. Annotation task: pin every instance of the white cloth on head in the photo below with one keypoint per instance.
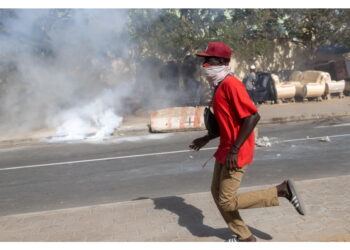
x,y
250,80
215,74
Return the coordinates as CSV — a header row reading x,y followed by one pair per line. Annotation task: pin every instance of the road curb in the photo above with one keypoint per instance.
x,y
302,118
159,121
145,128
133,128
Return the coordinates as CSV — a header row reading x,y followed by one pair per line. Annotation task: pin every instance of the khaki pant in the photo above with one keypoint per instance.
x,y
224,190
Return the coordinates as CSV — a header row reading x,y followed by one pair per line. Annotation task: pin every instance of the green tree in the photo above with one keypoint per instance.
x,y
312,28
172,34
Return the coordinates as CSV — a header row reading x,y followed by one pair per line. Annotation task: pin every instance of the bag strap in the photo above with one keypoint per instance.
x,y
212,98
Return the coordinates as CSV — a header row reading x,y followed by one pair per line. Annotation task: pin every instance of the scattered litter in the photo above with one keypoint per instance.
x,y
263,142
191,156
325,139
278,155
293,146
307,137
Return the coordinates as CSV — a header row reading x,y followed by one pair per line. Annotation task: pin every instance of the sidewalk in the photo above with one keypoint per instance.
x,y
291,112
191,217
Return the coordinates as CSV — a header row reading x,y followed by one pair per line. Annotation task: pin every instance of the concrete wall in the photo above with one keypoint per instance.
x,y
278,58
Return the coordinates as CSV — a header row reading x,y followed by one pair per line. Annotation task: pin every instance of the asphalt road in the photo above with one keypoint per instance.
x,y
52,176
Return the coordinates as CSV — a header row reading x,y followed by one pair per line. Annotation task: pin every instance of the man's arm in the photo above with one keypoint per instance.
x,y
246,129
200,142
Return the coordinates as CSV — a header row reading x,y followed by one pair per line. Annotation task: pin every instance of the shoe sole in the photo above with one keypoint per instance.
x,y
301,209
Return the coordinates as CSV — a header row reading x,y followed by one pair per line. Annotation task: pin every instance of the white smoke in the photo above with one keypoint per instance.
x,y
96,120
63,69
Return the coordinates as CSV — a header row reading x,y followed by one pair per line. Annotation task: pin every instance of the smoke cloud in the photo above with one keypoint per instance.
x,y
78,72
63,69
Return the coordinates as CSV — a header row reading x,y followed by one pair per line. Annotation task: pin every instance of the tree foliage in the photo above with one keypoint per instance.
x,y
316,27
174,33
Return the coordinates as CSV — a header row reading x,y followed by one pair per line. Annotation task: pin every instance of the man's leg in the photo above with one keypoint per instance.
x,y
229,200
232,218
224,190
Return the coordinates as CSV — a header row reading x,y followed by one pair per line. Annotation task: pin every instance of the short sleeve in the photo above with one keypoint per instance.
x,y
239,99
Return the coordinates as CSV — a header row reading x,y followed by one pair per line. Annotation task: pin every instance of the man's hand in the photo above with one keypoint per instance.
x,y
232,159
198,143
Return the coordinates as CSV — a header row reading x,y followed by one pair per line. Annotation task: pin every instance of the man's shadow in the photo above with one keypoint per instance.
x,y
192,218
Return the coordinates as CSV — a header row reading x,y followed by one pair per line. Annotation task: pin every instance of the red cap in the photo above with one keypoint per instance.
x,y
217,49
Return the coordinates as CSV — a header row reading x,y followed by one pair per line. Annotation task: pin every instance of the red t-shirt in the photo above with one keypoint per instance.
x,y
231,103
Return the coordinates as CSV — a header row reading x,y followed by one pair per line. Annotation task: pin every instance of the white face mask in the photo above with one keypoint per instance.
x,y
215,74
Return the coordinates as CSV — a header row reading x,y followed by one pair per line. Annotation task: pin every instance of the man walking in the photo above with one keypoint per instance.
x,y
236,116
249,82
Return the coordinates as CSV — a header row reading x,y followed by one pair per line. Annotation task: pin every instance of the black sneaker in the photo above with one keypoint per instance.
x,y
295,198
